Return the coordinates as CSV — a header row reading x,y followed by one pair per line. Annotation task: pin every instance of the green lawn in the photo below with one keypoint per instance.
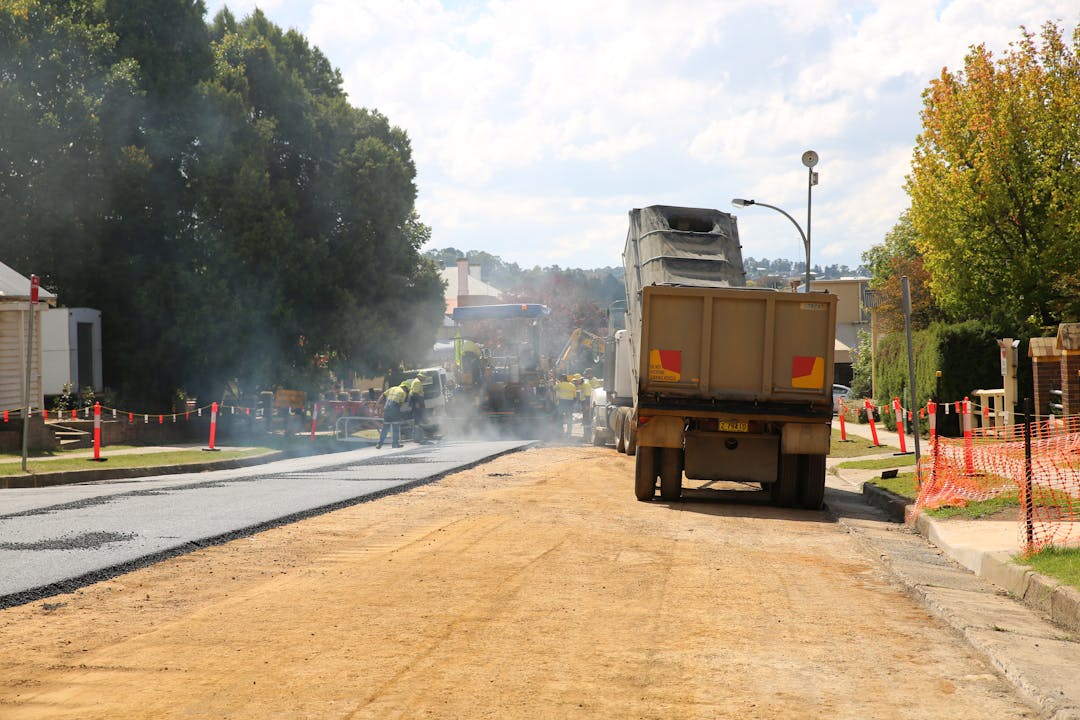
x,y
903,484
856,446
1060,563
36,464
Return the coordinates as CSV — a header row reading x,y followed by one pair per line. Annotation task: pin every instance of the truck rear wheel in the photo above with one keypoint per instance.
x,y
620,432
785,491
630,433
645,472
671,469
812,481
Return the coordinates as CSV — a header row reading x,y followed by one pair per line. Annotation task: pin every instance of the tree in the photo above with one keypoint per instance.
x,y
994,180
898,256
60,86
211,190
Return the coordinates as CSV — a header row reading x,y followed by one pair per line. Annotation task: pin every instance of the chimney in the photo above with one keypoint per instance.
x,y
462,278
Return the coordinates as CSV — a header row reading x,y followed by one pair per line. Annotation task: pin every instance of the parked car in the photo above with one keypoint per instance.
x,y
839,392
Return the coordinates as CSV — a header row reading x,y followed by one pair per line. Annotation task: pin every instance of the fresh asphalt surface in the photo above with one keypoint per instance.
x,y
57,539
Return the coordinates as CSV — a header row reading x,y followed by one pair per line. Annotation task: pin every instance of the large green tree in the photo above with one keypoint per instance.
x,y
994,182
211,190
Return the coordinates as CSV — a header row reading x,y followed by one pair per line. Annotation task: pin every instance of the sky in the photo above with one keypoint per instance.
x,y
536,126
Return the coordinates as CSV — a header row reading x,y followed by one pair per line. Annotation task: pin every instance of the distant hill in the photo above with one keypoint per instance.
x,y
510,276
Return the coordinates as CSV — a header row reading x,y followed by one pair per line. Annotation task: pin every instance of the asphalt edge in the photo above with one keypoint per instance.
x,y
1050,597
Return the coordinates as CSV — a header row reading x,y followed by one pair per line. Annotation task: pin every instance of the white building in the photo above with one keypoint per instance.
x,y
464,287
71,350
14,317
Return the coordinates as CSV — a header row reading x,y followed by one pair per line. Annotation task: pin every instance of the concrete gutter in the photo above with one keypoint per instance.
x,y
983,548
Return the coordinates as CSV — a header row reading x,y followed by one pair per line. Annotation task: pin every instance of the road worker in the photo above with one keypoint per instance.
x,y
417,403
393,399
565,395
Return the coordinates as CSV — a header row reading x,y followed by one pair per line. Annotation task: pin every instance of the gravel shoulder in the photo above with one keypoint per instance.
x,y
531,586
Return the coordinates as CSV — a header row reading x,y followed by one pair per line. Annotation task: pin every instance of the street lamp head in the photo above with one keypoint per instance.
x,y
809,158
740,202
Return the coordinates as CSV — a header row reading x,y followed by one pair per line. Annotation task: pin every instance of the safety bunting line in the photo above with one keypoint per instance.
x,y
86,413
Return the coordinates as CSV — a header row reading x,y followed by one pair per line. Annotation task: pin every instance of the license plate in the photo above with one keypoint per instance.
x,y
733,426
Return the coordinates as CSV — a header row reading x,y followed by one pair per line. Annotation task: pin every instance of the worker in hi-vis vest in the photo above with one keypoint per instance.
x,y
565,395
393,399
419,406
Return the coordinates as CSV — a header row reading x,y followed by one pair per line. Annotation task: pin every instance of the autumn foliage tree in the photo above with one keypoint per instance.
x,y
888,263
995,180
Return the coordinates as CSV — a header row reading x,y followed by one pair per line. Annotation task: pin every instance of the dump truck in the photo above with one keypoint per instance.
x,y
728,382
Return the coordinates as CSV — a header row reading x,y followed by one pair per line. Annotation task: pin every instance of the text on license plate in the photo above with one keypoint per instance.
x,y
733,426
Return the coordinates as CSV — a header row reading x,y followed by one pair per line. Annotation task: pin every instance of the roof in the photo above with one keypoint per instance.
x,y
14,286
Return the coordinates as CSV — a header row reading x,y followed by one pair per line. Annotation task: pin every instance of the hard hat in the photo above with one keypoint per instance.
x,y
421,376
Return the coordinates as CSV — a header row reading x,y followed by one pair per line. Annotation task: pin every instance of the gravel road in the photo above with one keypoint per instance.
x,y
532,586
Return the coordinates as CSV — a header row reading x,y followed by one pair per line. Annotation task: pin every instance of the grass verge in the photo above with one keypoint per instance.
x,y
58,463
903,485
1060,563
856,446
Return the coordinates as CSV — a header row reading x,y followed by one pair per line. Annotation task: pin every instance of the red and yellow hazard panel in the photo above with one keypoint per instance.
x,y
808,371
665,365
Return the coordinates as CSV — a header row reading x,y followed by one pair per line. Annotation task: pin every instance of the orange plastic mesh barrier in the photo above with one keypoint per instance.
x,y
993,462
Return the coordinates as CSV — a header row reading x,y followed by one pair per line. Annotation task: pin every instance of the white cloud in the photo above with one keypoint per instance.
x,y
536,126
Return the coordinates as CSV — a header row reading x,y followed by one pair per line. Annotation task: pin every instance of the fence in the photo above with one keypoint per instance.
x,y
1036,464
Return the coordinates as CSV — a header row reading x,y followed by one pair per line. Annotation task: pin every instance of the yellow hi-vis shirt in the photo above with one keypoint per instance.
x,y
565,390
396,394
416,388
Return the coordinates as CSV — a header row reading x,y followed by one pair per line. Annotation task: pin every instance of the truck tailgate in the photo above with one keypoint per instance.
x,y
737,344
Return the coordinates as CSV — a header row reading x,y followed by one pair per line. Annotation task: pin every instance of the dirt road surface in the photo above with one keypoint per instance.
x,y
534,586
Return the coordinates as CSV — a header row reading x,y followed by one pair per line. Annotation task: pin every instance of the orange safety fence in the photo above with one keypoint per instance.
x,y
1041,470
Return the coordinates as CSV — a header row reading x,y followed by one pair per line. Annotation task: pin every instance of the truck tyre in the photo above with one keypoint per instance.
x,y
671,469
631,435
620,426
645,471
785,491
812,481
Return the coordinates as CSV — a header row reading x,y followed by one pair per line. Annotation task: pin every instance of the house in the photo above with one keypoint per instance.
x,y
71,350
14,315
464,287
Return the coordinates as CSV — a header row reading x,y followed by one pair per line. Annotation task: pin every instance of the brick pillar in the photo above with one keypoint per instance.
x,y
1070,382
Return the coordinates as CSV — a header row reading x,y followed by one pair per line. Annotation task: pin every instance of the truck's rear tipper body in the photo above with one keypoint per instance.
x,y
730,383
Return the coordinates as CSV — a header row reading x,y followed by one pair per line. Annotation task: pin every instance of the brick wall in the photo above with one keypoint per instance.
x,y
1046,372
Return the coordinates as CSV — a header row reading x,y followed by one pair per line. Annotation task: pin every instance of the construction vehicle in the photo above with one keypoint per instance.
x,y
580,339
500,376
728,383
613,402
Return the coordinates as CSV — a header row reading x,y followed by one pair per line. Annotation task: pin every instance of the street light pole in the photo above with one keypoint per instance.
x,y
809,159
740,202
